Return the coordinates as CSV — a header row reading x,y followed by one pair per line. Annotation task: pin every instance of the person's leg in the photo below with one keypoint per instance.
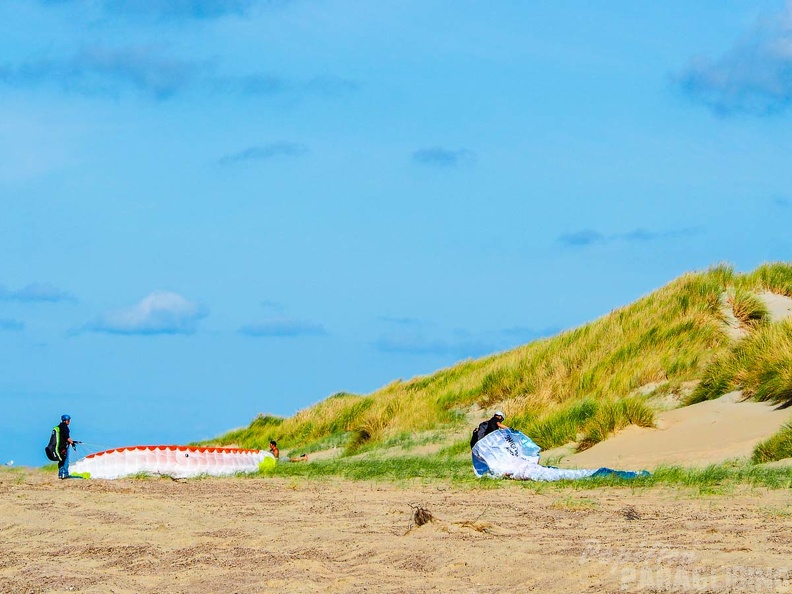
x,y
63,465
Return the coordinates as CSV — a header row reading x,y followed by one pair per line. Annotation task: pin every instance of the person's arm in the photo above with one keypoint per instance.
x,y
502,426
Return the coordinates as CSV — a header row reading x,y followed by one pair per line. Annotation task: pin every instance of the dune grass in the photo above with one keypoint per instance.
x,y
760,365
748,308
581,384
772,276
614,415
561,426
587,421
777,447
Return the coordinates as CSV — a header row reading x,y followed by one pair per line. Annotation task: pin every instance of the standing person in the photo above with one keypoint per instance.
x,y
274,448
62,447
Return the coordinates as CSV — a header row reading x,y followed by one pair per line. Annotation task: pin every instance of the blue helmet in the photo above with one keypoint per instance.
x,y
65,418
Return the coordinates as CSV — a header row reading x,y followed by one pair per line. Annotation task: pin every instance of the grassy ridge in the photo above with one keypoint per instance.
x,y
580,385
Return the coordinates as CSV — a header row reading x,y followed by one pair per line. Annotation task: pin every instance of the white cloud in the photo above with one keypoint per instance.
x,y
161,312
754,76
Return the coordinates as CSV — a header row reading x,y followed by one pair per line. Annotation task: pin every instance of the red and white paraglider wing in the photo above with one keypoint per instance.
x,y
170,460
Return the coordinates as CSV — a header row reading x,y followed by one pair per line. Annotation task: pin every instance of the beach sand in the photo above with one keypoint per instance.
x,y
300,535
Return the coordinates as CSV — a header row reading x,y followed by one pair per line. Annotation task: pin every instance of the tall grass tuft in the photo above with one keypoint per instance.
x,y
774,276
749,309
777,447
614,415
760,365
561,426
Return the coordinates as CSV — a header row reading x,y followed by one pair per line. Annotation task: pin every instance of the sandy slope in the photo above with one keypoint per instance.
x,y
778,306
275,535
697,435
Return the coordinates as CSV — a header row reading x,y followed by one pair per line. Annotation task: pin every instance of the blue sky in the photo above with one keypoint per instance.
x,y
212,209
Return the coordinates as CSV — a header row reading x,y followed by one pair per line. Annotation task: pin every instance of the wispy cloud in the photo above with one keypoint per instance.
x,y
265,152
418,344
524,334
458,344
282,327
115,71
161,312
108,71
9,325
36,293
581,238
181,9
272,305
175,9
268,84
441,157
403,321
589,237
754,76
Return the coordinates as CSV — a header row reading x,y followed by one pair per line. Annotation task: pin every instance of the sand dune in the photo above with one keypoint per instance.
x,y
696,435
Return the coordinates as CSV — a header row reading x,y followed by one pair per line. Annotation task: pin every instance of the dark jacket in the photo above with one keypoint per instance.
x,y
484,429
492,425
63,440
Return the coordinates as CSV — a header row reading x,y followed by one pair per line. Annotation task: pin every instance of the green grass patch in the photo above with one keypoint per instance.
x,y
327,442
614,415
712,479
777,447
389,469
457,449
406,440
561,426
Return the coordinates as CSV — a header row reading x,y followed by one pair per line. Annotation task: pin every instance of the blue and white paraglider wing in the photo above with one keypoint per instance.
x,y
502,452
509,453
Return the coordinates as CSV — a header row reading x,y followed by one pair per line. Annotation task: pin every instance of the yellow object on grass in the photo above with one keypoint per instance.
x,y
267,464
